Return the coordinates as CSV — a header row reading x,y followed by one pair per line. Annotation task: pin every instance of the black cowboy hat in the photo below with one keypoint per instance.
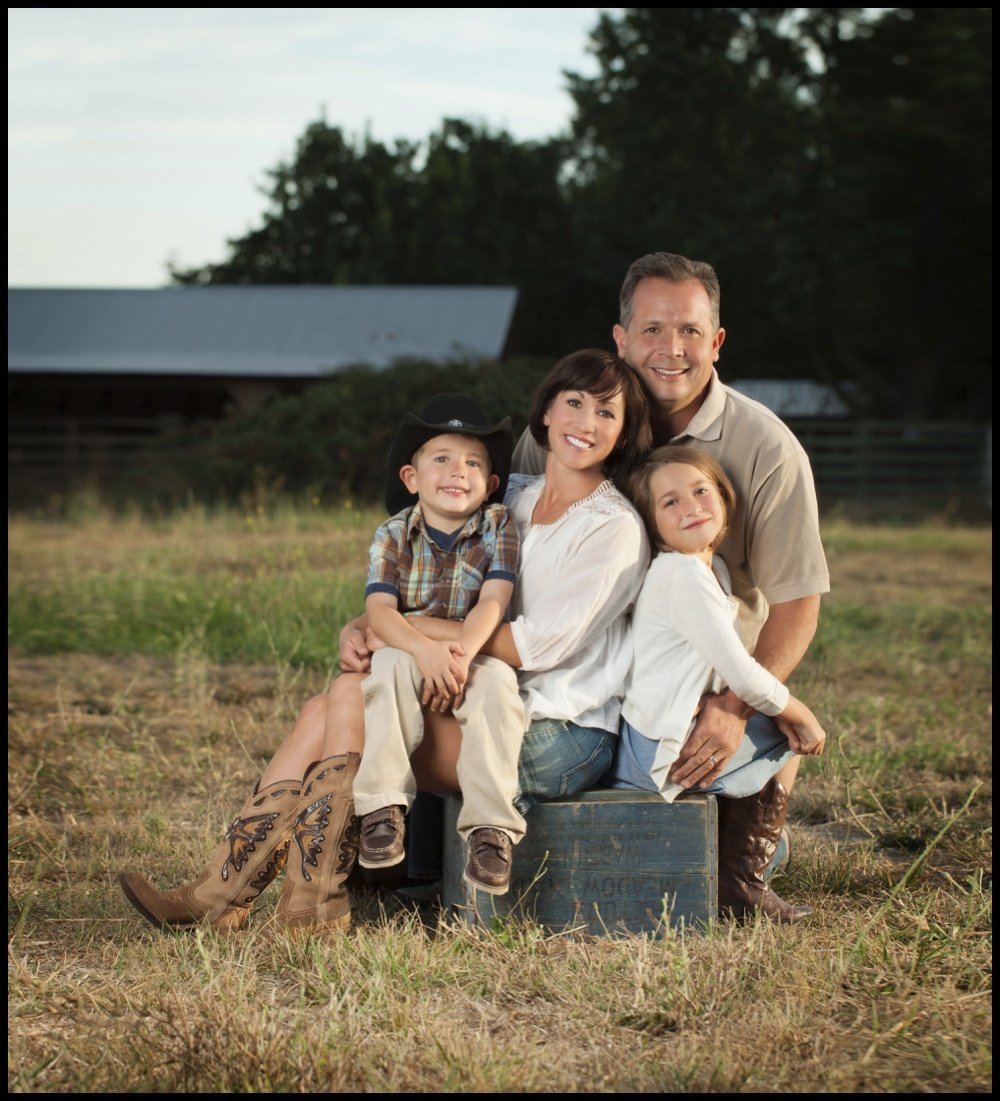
x,y
445,414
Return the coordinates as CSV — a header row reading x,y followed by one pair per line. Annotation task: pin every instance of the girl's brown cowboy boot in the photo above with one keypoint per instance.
x,y
749,833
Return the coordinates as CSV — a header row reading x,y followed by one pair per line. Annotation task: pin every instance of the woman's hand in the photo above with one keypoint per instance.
x,y
355,655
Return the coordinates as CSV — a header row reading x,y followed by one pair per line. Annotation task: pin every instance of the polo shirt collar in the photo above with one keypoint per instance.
x,y
707,422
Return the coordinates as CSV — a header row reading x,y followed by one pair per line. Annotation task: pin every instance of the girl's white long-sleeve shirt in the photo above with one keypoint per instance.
x,y
686,643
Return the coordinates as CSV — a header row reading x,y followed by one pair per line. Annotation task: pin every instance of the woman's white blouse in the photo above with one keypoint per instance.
x,y
577,581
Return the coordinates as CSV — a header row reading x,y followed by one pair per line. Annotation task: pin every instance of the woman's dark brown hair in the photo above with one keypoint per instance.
x,y
603,375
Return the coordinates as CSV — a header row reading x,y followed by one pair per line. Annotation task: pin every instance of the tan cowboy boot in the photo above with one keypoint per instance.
x,y
252,853
749,833
324,848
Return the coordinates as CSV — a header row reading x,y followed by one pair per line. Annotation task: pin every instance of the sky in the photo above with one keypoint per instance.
x,y
138,136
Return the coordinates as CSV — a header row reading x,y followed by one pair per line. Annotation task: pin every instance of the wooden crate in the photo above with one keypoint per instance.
x,y
600,861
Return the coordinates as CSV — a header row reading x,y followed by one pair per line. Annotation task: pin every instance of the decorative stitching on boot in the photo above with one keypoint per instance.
x,y
348,850
244,835
267,873
275,793
320,776
308,833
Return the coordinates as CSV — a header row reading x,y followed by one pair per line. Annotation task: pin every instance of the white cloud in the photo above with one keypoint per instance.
x,y
110,101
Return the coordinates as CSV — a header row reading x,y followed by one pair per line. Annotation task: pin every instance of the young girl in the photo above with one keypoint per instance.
x,y
686,645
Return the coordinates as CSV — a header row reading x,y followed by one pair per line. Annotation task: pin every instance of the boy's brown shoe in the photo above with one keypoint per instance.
x,y
383,833
489,863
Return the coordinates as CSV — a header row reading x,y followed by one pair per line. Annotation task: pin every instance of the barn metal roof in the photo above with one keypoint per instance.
x,y
793,397
258,331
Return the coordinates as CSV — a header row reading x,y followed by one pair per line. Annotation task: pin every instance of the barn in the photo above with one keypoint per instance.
x,y
93,374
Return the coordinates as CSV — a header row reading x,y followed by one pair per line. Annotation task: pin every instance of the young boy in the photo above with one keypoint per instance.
x,y
449,550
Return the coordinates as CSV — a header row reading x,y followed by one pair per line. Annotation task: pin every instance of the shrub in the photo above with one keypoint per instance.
x,y
328,442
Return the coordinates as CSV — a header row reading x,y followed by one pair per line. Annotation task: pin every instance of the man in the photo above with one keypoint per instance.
x,y
669,333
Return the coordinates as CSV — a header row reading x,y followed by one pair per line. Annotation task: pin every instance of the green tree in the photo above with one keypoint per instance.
x,y
333,216
472,207
323,442
901,239
834,164
694,138
490,210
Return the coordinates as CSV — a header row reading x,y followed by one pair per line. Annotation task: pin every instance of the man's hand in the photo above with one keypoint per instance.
x,y
716,736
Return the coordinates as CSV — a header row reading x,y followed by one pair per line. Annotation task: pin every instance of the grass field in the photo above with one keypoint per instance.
x,y
154,666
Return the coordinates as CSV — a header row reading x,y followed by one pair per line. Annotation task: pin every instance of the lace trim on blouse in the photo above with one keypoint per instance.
x,y
606,500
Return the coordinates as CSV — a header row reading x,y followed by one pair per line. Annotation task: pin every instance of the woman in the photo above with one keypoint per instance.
x,y
584,553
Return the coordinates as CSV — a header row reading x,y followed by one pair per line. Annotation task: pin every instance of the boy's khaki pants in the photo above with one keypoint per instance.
x,y
491,716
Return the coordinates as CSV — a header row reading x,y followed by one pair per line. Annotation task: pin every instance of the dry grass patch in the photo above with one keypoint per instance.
x,y
137,760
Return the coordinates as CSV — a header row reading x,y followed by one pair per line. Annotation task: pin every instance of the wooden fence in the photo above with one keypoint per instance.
x,y
925,464
68,445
